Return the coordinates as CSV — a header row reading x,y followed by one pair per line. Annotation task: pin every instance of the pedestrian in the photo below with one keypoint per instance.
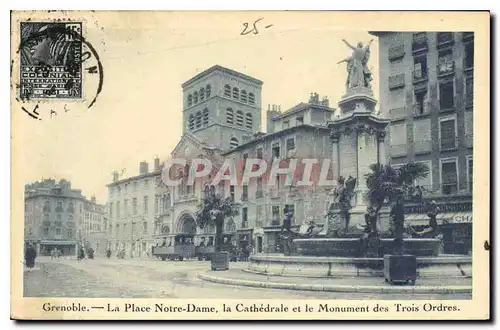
x,y
81,253
30,256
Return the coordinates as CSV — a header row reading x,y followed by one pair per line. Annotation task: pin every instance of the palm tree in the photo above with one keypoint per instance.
x,y
393,186
215,209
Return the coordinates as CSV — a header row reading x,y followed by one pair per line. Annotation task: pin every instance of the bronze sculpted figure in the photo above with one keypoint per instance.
x,y
286,233
358,74
344,194
371,220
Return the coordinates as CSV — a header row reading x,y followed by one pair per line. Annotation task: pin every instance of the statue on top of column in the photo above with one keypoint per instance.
x,y
358,74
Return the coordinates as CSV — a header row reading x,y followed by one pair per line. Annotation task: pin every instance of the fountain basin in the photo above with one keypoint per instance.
x,y
321,267
352,247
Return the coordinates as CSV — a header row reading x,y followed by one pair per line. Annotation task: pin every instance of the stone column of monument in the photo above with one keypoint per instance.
x,y
334,137
359,129
381,147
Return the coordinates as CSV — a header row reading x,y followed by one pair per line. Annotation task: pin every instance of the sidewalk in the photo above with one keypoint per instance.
x,y
239,277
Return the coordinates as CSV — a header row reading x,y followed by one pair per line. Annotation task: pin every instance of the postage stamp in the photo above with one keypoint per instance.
x,y
50,56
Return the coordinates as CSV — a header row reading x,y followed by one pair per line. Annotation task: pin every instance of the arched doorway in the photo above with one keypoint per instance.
x,y
186,224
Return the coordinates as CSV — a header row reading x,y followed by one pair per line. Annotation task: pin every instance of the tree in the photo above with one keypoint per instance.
x,y
393,186
215,209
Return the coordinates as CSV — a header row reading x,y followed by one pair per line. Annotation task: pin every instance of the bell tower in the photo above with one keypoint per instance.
x,y
222,106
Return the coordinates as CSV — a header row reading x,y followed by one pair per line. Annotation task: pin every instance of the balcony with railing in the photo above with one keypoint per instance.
x,y
397,114
422,146
450,143
397,81
447,206
399,150
445,39
419,43
419,76
396,52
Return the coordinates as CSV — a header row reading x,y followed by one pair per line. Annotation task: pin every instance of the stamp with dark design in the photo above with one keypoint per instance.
x,y
50,57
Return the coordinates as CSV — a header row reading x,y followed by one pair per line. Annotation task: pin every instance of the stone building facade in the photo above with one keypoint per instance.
x,y
57,216
135,205
426,90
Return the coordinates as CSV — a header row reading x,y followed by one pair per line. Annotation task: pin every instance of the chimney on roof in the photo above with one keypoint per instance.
x,y
325,102
115,176
270,115
143,168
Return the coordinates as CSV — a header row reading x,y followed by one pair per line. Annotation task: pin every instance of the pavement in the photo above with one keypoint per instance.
x,y
151,278
247,278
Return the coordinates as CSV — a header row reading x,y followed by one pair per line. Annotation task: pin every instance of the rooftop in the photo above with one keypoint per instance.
x,y
224,70
301,107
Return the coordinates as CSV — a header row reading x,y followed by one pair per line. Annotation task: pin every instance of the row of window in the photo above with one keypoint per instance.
x,y
422,139
275,147
124,229
276,214
239,118
241,96
445,63
134,186
162,203
47,207
419,42
198,120
235,93
447,98
200,96
58,232
448,174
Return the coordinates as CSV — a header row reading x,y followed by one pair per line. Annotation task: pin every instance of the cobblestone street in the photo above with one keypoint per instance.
x,y
138,278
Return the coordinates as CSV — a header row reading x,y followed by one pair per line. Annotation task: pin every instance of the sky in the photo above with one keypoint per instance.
x,y
147,56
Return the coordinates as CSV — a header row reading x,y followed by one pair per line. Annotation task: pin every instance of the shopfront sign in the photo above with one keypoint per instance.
x,y
462,218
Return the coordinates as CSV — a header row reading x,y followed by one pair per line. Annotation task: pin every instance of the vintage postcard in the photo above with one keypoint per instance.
x,y
250,165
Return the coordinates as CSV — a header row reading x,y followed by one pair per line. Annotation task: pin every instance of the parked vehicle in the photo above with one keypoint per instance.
x,y
175,247
205,247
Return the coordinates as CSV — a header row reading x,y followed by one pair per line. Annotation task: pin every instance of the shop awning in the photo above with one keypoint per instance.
x,y
422,219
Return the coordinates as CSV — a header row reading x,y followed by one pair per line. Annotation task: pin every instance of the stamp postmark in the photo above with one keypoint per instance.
x,y
50,57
